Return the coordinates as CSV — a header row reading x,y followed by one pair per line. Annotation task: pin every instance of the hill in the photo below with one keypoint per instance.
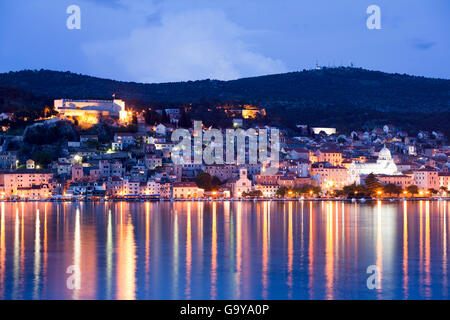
x,y
347,98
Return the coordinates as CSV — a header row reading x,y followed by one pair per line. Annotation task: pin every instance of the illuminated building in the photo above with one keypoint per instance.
x,y
186,190
91,111
384,165
400,180
329,177
332,156
444,180
25,182
426,178
241,185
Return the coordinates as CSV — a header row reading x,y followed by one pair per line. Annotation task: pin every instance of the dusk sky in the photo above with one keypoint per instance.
x,y
162,40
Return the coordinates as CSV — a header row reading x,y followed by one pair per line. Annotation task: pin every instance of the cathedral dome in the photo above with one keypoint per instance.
x,y
384,154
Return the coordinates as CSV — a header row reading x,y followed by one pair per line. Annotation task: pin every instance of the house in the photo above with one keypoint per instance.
x,y
267,190
152,161
122,140
30,164
186,190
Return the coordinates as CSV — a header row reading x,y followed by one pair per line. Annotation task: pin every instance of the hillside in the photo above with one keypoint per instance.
x,y
343,97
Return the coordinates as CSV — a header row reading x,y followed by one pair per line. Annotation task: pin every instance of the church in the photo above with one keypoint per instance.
x,y
384,165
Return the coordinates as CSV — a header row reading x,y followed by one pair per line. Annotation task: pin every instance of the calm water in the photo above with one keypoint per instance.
x,y
223,250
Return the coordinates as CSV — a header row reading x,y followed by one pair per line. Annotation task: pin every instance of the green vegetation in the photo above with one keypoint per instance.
x,y
413,189
206,182
252,194
347,98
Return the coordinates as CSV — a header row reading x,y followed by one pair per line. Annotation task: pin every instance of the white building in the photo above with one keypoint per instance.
x,y
384,165
241,185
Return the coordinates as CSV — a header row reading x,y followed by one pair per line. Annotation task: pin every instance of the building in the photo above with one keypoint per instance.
x,y
444,180
267,190
222,172
241,185
384,165
152,161
34,192
328,131
426,178
8,160
400,180
77,172
30,164
151,187
16,182
332,156
91,111
186,190
131,187
328,176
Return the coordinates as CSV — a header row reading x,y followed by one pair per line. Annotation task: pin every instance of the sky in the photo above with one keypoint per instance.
x,y
179,40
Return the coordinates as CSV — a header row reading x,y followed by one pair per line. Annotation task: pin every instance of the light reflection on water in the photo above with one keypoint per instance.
x,y
224,250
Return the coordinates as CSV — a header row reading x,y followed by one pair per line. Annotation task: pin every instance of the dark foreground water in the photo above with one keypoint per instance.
x,y
224,250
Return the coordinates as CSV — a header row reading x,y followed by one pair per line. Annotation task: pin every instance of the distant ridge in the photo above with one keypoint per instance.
x,y
341,95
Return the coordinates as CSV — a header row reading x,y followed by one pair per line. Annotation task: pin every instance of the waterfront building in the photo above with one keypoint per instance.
x,y
25,178
444,180
267,190
186,190
400,180
241,185
426,178
329,176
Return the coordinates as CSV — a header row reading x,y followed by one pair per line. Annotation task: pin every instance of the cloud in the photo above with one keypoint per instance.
x,y
187,45
422,44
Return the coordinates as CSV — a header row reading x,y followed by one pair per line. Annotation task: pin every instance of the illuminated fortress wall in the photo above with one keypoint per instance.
x,y
89,109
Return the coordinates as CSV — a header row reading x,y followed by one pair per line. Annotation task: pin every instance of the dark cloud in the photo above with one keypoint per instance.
x,y
423,44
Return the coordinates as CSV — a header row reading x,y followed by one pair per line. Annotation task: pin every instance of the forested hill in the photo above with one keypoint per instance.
x,y
340,95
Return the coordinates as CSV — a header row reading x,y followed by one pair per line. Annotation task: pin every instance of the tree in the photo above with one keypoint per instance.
x,y
252,194
205,181
413,189
185,120
152,117
281,192
164,117
391,188
372,184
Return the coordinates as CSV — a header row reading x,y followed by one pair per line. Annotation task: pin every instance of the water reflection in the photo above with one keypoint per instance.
x,y
224,250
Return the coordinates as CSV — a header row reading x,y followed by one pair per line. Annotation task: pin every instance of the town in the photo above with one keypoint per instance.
x,y
118,164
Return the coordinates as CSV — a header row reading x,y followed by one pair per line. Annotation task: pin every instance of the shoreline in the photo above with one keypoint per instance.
x,y
229,200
